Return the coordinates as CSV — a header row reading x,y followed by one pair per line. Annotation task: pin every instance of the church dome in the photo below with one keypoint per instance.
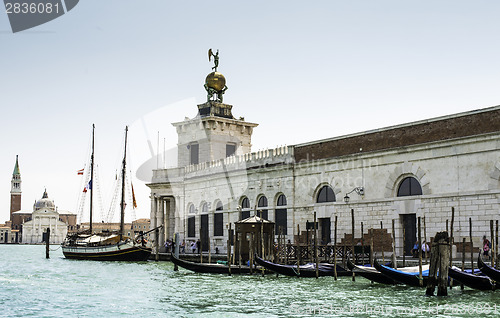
x,y
45,203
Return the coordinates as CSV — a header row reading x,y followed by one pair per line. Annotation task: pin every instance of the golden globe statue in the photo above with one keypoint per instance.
x,y
216,81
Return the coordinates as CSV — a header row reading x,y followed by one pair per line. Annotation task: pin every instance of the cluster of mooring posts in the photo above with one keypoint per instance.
x,y
255,236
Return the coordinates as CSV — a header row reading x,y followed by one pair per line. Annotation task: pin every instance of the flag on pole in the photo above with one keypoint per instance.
x,y
80,172
134,203
88,186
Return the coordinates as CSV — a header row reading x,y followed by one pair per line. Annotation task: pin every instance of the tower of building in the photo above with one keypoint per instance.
x,y
214,133
15,190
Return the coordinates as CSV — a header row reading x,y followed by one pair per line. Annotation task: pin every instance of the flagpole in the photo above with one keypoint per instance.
x,y
91,177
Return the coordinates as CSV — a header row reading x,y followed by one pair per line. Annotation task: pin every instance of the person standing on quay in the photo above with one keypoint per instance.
x,y
486,247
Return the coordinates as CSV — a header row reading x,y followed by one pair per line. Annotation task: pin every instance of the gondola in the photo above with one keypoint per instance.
x,y
370,273
474,281
403,277
210,268
488,270
307,270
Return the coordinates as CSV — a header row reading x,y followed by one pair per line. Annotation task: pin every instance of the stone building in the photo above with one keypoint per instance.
x,y
5,234
142,225
420,169
44,216
19,218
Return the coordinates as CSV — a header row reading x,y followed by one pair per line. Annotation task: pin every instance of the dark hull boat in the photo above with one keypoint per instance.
x,y
407,278
474,281
307,270
123,251
488,270
210,268
370,273
106,246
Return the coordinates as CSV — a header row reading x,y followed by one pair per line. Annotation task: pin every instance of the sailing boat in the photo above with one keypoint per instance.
x,y
106,246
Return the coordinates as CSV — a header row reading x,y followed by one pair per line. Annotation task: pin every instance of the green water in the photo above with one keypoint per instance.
x,y
33,286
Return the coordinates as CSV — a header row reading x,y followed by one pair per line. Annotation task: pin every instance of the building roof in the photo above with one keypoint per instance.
x,y
141,221
467,124
16,167
254,219
45,202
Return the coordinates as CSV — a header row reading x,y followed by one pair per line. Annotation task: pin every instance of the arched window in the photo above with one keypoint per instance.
x,y
281,200
245,208
281,216
191,222
204,208
245,203
409,186
219,219
325,194
219,206
262,203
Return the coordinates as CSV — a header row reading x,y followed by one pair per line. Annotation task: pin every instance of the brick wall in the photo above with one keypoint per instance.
x,y
411,134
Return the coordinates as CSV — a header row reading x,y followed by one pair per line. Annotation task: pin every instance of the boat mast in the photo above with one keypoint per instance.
x,y
91,177
122,203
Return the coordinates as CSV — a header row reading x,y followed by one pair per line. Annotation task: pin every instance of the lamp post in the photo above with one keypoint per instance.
x,y
359,190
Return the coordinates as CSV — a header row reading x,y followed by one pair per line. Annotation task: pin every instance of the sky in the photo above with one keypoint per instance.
x,y
302,70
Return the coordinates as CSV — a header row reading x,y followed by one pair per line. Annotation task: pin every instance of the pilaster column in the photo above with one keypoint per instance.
x,y
154,212
160,217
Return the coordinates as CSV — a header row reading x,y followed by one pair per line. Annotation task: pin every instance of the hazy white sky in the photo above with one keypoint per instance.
x,y
303,70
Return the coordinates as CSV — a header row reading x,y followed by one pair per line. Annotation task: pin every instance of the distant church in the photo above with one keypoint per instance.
x,y
29,227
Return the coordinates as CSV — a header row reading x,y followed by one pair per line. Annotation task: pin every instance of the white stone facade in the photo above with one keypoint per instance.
x,y
453,172
44,216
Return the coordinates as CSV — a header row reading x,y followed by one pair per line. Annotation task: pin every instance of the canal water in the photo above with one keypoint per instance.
x,y
33,286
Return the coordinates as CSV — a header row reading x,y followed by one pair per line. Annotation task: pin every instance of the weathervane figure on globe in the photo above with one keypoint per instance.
x,y
215,82
216,59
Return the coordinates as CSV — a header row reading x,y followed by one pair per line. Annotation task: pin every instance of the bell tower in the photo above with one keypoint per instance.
x,y
214,133
15,190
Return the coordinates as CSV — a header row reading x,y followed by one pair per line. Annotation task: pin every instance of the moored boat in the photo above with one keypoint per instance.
x,y
474,281
370,273
410,278
307,270
106,246
210,267
488,270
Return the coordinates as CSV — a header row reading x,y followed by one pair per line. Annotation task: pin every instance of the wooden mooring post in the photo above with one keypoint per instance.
x,y
471,245
316,259
371,247
157,245
47,244
176,249
492,244
404,245
451,241
394,260
381,243
463,260
229,249
421,281
440,259
362,246
335,249
352,245
299,250
496,245
425,239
